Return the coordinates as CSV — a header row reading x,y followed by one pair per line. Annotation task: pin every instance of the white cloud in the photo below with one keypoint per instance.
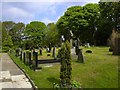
x,y
17,12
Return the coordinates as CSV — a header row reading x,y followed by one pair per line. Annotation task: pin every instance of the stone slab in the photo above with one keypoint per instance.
x,y
21,84
5,74
6,85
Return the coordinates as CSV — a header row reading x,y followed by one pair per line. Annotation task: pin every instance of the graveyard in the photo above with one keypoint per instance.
x,y
99,70
80,49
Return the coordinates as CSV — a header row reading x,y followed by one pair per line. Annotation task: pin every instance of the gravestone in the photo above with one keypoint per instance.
x,y
40,51
76,46
17,52
24,57
116,49
87,45
29,62
28,58
54,52
35,60
21,55
47,49
80,56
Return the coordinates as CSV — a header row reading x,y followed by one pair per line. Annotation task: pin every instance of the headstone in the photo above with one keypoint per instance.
x,y
24,57
76,49
17,52
87,45
29,58
47,49
21,56
116,49
80,56
35,60
54,52
76,46
40,51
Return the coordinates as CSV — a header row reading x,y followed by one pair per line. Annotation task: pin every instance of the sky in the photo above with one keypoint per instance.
x,y
35,10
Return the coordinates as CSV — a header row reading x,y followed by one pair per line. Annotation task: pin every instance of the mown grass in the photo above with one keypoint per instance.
x,y
100,70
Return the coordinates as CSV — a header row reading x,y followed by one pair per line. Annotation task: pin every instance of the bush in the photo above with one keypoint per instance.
x,y
65,71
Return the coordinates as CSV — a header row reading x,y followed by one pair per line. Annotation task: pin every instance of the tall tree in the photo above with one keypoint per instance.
x,y
52,34
109,20
8,43
80,20
35,33
16,33
6,27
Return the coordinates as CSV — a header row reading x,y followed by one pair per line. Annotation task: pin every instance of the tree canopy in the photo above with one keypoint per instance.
x,y
80,20
35,33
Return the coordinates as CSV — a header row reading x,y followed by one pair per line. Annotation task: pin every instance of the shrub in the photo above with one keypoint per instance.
x,y
65,70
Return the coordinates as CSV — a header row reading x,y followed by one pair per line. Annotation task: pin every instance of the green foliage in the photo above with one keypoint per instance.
x,y
51,35
35,32
65,71
75,84
80,20
7,44
16,32
109,20
6,27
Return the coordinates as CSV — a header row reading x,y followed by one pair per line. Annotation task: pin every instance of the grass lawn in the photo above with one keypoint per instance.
x,y
99,71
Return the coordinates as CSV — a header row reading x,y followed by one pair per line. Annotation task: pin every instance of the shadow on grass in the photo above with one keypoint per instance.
x,y
53,80
113,55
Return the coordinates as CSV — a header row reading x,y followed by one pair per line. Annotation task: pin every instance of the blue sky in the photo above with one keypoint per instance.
x,y
27,11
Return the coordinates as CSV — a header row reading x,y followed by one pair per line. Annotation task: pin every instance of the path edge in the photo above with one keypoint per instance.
x,y
31,81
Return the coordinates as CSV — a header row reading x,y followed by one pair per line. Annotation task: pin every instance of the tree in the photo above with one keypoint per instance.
x,y
80,20
35,32
92,13
65,71
109,20
8,43
6,27
16,33
52,35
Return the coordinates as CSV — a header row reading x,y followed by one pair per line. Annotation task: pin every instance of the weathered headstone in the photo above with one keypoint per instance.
x,y
17,52
76,46
54,52
35,60
21,56
40,51
116,49
80,56
24,57
29,58
87,45
76,49
47,49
